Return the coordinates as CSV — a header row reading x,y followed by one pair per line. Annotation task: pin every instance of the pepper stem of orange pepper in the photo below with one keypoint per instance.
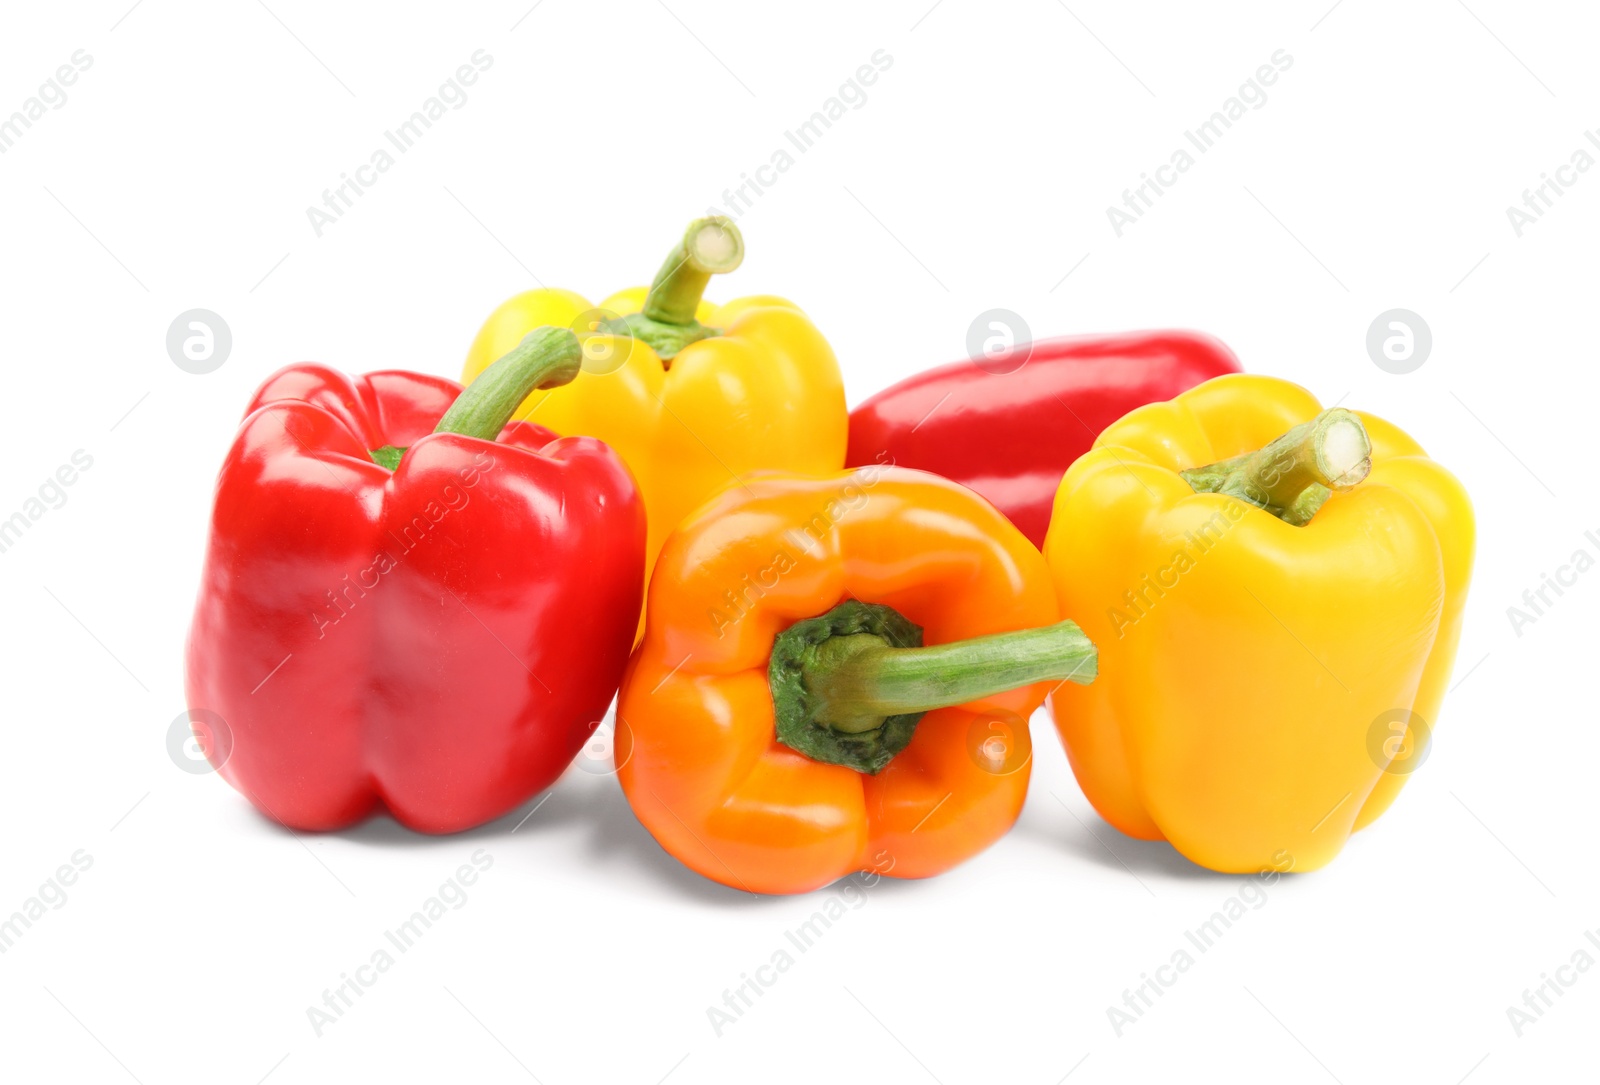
x,y
710,246
849,686
1296,474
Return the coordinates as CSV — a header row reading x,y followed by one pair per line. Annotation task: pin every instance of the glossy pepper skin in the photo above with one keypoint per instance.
x,y
698,749
438,641
1258,679
762,391
1010,426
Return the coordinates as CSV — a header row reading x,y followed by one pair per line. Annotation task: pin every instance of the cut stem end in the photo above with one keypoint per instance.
x,y
1293,476
710,246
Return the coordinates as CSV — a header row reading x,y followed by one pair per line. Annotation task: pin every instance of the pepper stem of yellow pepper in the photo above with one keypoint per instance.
x,y
849,687
710,246
1296,474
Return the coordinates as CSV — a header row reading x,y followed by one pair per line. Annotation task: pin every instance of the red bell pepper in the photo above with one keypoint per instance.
x,y
1010,428
399,611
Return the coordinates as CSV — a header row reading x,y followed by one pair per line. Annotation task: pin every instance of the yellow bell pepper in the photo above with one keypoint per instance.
x,y
694,396
1277,615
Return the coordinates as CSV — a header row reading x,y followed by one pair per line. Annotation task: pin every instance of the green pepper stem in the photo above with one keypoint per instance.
x,y
859,680
1294,475
850,686
546,358
710,246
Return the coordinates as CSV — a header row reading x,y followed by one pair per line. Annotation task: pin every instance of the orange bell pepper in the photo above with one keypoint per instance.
x,y
780,725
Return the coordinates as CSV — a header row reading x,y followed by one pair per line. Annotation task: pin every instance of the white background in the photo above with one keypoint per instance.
x,y
977,174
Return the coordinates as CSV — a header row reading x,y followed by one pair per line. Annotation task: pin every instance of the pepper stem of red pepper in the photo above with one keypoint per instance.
x,y
546,358
710,246
1296,474
849,686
